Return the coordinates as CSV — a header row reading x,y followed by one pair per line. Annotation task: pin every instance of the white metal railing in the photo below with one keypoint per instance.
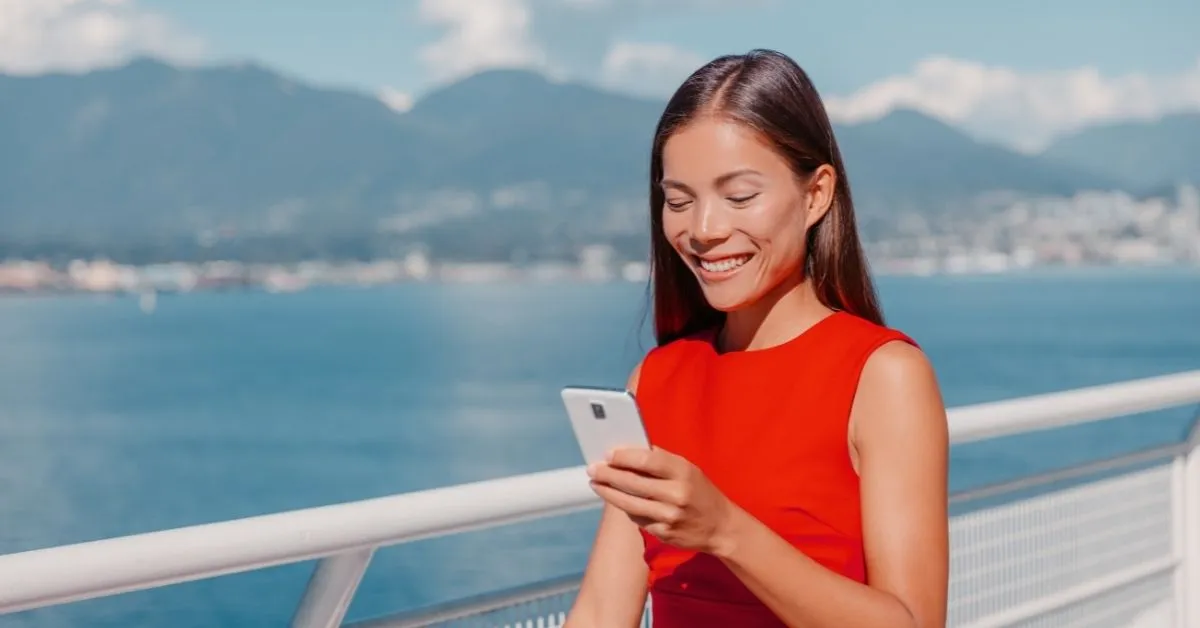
x,y
1118,539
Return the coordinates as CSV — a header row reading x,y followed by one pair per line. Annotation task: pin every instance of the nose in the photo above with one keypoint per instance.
x,y
710,223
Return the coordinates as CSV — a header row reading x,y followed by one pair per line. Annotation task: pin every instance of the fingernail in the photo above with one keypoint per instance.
x,y
591,470
608,457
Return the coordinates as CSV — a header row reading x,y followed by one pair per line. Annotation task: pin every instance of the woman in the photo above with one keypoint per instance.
x,y
798,469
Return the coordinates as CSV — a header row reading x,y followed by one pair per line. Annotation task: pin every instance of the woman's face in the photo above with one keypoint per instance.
x,y
735,212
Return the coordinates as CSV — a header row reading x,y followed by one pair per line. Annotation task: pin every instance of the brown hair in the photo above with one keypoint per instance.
x,y
768,92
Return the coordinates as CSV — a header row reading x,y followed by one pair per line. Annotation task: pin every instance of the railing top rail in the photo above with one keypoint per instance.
x,y
105,567
1081,405
79,571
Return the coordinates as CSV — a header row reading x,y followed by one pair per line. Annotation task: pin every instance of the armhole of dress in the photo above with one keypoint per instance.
x,y
886,336
658,363
643,369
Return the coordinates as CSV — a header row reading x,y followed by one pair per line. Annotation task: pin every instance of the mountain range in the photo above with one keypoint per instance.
x,y
148,149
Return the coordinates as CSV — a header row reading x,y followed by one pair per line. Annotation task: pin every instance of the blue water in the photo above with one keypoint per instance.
x,y
227,405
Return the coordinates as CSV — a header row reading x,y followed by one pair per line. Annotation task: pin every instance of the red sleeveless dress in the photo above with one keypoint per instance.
x,y
769,429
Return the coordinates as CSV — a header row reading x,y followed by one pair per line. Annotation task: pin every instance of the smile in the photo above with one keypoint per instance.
x,y
723,267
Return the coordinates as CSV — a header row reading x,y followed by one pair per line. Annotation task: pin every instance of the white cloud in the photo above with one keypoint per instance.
x,y
479,34
650,69
395,99
583,38
38,36
555,36
1024,110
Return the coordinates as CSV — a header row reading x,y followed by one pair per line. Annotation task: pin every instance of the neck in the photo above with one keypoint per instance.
x,y
778,317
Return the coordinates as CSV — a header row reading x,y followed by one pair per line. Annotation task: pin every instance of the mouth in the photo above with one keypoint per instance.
x,y
720,268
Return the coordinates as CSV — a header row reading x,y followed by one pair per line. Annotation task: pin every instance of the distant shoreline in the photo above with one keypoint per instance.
x,y
451,274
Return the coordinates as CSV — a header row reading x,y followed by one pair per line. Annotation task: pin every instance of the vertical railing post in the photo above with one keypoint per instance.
x,y
1190,565
1179,537
331,588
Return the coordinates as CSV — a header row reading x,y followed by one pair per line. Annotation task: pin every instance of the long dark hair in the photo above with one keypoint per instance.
x,y
768,92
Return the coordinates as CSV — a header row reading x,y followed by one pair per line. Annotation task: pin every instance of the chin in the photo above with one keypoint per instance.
x,y
731,290
727,298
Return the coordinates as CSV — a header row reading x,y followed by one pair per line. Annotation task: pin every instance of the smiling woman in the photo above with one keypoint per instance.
x,y
798,469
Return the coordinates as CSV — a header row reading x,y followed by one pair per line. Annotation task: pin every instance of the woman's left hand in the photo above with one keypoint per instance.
x,y
666,495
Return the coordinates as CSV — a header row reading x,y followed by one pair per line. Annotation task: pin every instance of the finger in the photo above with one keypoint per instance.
x,y
634,483
641,522
654,462
631,504
659,530
636,507
664,530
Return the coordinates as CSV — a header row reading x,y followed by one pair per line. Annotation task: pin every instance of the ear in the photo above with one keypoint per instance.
x,y
819,194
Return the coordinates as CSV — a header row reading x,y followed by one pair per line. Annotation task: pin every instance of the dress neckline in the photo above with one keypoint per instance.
x,y
710,338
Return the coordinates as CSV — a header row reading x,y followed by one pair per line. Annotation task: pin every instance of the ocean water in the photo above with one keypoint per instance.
x,y
227,405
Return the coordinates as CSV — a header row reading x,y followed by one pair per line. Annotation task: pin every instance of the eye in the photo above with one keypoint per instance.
x,y
743,199
678,203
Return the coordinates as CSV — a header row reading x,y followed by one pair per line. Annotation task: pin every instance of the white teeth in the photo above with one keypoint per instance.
x,y
724,265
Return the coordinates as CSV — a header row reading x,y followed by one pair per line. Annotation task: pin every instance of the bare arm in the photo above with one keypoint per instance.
x,y
613,593
899,430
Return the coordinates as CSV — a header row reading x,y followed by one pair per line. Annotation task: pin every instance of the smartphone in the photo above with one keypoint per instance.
x,y
604,419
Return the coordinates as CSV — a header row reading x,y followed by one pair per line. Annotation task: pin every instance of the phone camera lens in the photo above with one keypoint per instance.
x,y
598,411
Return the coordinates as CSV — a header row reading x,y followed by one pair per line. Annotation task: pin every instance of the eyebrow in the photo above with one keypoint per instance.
x,y
721,180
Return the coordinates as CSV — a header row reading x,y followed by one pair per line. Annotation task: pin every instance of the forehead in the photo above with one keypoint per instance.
x,y
709,147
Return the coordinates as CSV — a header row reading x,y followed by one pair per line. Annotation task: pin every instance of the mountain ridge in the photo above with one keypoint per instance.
x,y
150,149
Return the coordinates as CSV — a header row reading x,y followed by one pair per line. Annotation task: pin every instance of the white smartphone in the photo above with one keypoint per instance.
x,y
604,419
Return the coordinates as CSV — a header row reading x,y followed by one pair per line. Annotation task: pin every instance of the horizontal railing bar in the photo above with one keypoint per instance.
x,y
1082,405
1156,454
97,568
1077,594
81,571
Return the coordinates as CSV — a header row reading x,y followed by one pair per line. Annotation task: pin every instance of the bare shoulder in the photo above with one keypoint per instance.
x,y
898,401
899,379
896,364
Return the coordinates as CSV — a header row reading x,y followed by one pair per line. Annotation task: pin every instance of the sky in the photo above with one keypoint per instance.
x,y
1016,72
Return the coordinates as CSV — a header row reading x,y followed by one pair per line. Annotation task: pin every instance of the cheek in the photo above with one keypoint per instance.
x,y
781,225
674,224
783,228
